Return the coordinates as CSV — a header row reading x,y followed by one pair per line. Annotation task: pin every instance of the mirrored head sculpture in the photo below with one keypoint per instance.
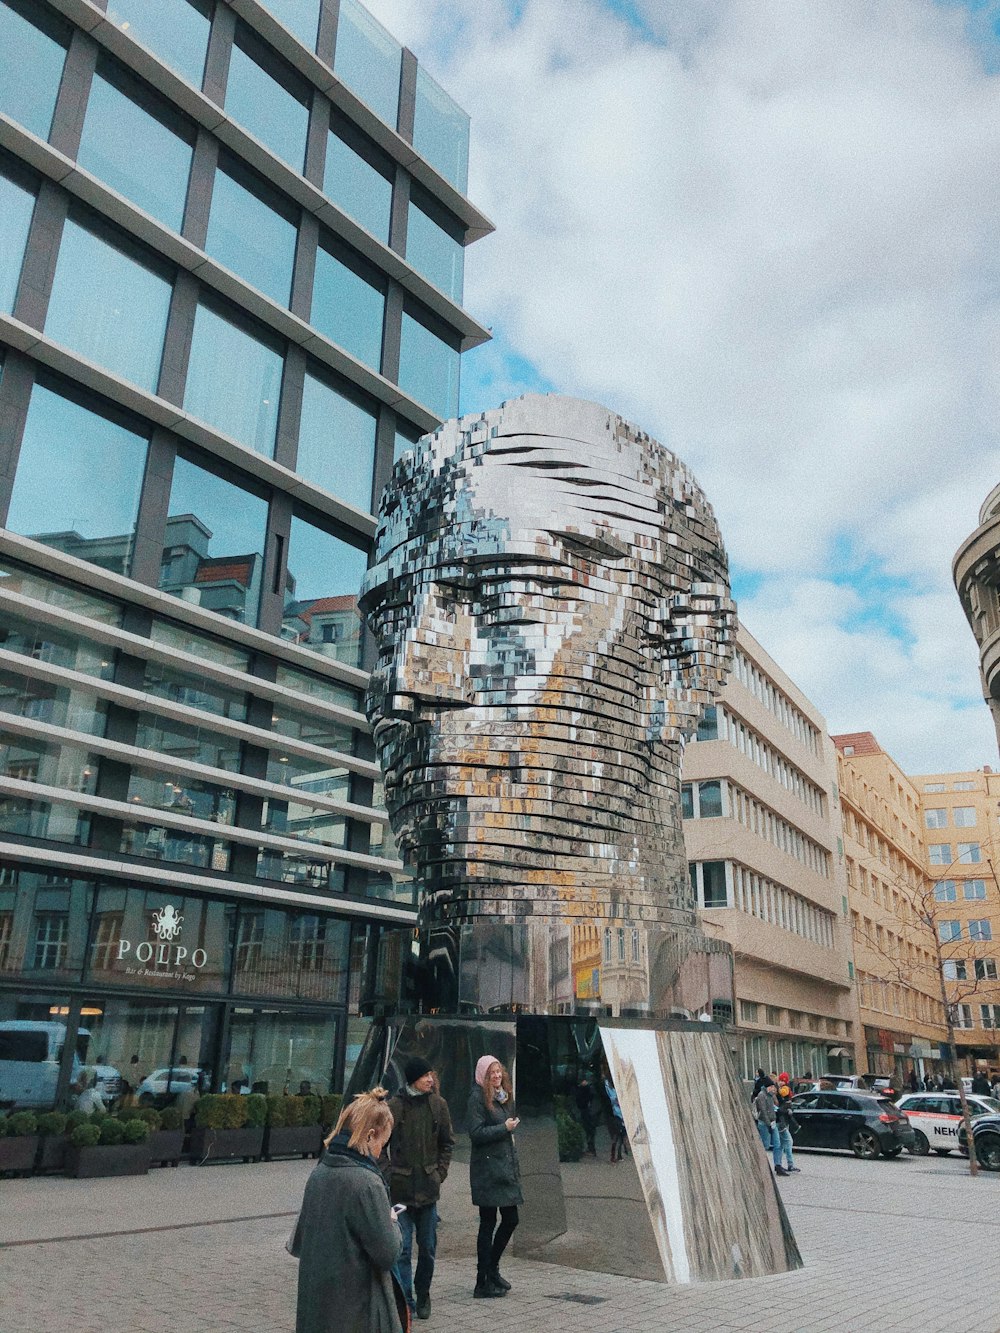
x,y
550,602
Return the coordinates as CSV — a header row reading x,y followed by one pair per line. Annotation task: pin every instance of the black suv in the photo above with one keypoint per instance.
x,y
986,1136
866,1124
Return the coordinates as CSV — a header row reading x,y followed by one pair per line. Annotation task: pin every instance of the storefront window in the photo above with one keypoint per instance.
x,y
150,1051
268,100
321,608
174,30
284,953
337,442
33,61
16,206
148,938
280,1051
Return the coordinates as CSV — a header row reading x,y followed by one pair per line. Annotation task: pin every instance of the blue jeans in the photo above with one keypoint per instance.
x,y
782,1144
766,1133
422,1221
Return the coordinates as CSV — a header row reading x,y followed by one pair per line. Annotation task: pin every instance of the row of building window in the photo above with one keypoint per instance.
x,y
620,943
717,798
872,840
891,945
889,896
763,689
989,1016
962,816
729,884
946,890
719,723
978,929
959,969
753,1012
966,854
899,999
964,785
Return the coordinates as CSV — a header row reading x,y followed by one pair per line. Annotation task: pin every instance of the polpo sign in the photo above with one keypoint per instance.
x,y
165,952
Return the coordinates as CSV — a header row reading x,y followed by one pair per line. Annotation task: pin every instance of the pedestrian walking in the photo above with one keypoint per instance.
x,y
996,1086
586,1111
419,1157
981,1085
347,1236
494,1173
763,1109
913,1081
619,1138
761,1081
784,1124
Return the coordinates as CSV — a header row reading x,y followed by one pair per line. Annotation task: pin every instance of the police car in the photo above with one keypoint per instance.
x,y
935,1118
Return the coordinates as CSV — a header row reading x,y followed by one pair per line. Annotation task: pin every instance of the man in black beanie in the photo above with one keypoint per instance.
x,y
419,1156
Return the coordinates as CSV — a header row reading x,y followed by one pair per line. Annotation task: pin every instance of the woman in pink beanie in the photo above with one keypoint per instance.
x,y
494,1173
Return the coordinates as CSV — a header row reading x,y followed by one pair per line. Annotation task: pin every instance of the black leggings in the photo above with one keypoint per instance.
x,y
490,1246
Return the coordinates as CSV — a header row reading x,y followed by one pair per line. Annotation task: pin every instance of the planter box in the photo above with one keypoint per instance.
x,y
226,1145
18,1154
53,1152
293,1141
165,1146
120,1159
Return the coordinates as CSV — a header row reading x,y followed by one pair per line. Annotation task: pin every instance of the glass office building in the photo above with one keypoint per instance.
x,y
231,244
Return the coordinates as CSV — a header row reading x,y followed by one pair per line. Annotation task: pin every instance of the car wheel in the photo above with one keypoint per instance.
x,y
943,1152
865,1144
920,1147
892,1152
988,1151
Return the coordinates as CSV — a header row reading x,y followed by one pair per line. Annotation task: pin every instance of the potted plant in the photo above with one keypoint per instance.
x,y
108,1147
227,1127
19,1141
293,1127
331,1106
166,1135
52,1127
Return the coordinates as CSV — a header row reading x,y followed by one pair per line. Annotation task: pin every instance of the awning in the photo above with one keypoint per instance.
x,y
837,1050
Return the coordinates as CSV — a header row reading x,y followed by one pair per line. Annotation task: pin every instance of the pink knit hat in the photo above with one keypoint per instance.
x,y
483,1065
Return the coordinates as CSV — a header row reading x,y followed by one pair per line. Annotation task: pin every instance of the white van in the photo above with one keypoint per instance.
x,y
30,1056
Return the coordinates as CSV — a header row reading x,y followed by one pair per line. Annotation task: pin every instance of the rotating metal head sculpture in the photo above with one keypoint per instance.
x,y
551,606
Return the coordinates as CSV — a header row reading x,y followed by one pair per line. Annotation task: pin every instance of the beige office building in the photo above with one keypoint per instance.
x,y
762,826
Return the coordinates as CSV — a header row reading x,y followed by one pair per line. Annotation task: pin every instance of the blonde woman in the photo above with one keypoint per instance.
x,y
347,1237
494,1173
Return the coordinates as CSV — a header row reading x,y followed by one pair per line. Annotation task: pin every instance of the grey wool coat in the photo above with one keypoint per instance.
x,y
346,1241
494,1173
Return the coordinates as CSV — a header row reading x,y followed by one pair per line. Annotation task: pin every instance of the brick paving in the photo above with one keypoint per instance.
x,y
912,1244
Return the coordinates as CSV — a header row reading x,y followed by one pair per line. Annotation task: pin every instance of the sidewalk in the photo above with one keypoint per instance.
x,y
912,1244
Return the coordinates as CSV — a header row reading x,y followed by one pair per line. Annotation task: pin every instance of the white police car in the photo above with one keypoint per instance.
x,y
935,1118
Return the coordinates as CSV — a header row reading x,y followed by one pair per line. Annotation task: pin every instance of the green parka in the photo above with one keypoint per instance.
x,y
420,1148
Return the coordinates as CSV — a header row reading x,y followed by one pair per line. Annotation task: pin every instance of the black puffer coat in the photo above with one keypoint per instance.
x,y
494,1173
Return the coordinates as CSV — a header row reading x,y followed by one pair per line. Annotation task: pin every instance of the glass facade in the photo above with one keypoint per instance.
x,y
128,143
300,17
16,207
321,608
31,69
267,107
441,131
108,306
92,512
358,179
434,246
174,30
428,367
251,234
337,442
368,60
348,303
213,551
233,381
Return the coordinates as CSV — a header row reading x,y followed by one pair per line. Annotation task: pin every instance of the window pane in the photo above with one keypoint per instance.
x,y
321,600
336,443
935,818
969,853
362,190
710,799
434,252
99,466
214,548
267,109
251,238
134,152
687,801
368,60
428,368
441,131
964,816
16,205
29,73
347,307
174,30
233,381
708,727
403,442
298,16
108,307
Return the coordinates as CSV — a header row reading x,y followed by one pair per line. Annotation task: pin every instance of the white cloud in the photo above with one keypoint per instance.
x,y
770,240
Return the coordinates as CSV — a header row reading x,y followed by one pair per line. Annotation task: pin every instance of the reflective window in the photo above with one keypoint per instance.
x,y
31,68
194,691
433,246
98,465
441,131
35,639
203,646
233,381
174,30
16,206
52,914
302,682
56,592
213,551
43,701
125,947
405,439
358,179
298,16
428,367
130,142
167,843
321,606
248,234
368,60
266,107
108,306
349,303
181,794
336,442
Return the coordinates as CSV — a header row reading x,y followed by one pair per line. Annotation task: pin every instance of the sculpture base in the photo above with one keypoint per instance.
x,y
692,1197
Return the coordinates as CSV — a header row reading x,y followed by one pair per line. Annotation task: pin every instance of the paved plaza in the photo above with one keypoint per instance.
x,y
912,1244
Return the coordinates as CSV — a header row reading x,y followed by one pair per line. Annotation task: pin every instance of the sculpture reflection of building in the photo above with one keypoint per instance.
x,y
550,603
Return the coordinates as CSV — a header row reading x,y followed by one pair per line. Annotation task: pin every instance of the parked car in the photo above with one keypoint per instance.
x,y
108,1081
161,1086
30,1057
986,1136
833,1082
936,1118
858,1120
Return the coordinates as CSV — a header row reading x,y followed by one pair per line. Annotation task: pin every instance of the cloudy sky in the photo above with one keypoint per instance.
x,y
767,232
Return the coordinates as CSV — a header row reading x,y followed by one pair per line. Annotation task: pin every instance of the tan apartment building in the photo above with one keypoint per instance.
x,y
891,896
762,830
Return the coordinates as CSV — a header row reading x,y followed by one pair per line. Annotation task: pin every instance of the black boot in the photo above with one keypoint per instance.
x,y
486,1288
498,1280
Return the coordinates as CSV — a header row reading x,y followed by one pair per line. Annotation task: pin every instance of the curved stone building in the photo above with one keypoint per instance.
x,y
976,570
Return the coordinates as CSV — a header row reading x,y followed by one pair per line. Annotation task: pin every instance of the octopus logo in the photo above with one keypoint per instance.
x,y
167,923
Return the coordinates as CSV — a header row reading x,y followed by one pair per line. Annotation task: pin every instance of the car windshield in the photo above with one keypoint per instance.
x,y
986,1106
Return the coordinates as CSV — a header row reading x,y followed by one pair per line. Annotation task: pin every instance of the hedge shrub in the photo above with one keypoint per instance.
x,y
135,1130
52,1123
572,1139
85,1136
256,1115
223,1110
170,1118
331,1105
111,1131
21,1124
